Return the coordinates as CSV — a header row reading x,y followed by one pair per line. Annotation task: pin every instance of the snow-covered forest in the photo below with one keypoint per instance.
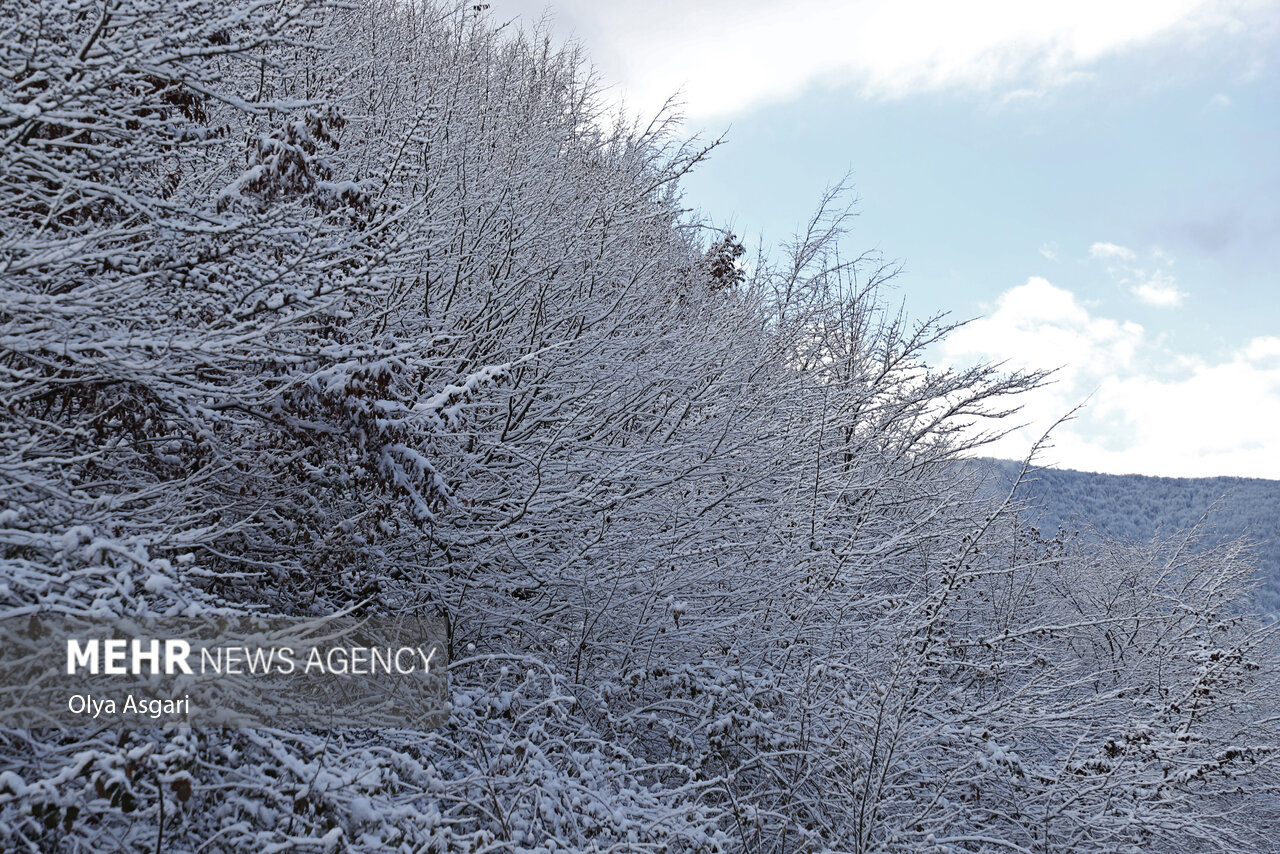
x,y
1134,507
309,306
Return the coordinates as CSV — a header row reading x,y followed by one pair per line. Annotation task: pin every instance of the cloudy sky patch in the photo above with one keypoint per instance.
x,y
1095,181
1149,406
1159,290
728,56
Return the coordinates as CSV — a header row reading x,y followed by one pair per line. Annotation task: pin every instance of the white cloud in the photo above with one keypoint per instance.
x,y
1159,290
1221,99
1263,349
1111,250
1040,325
1156,288
729,55
1050,252
1152,411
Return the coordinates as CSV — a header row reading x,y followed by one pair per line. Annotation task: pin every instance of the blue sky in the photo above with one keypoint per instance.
x,y
1096,183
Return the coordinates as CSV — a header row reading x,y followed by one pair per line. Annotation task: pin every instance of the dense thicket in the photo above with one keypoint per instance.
x,y
314,305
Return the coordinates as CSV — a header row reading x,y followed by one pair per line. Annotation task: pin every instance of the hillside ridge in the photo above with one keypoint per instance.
x,y
1139,507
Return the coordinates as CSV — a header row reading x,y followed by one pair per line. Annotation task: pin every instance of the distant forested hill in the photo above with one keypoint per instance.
x,y
1136,507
